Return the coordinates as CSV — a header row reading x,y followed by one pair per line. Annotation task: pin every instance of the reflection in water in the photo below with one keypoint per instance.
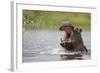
x,y
71,57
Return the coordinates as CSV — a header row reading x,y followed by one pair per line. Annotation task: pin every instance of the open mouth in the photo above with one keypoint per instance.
x,y
68,35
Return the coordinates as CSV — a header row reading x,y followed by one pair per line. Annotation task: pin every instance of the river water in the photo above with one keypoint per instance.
x,y
42,46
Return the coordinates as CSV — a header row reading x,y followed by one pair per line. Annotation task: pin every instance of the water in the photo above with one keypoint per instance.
x,y
44,46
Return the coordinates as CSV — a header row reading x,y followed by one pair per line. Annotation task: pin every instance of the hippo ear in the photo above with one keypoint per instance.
x,y
80,30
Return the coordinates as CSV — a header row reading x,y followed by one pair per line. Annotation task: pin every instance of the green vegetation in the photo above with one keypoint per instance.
x,y
51,20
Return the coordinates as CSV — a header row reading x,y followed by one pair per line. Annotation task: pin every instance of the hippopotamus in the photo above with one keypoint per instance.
x,y
72,40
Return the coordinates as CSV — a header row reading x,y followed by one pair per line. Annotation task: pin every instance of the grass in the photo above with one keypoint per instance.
x,y
51,20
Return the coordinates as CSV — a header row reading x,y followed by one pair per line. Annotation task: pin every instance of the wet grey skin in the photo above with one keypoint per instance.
x,y
76,43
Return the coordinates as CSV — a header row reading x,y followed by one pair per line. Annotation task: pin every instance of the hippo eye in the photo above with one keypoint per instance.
x,y
77,29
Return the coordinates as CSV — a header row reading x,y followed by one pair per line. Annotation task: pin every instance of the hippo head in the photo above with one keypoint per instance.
x,y
72,39
67,27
